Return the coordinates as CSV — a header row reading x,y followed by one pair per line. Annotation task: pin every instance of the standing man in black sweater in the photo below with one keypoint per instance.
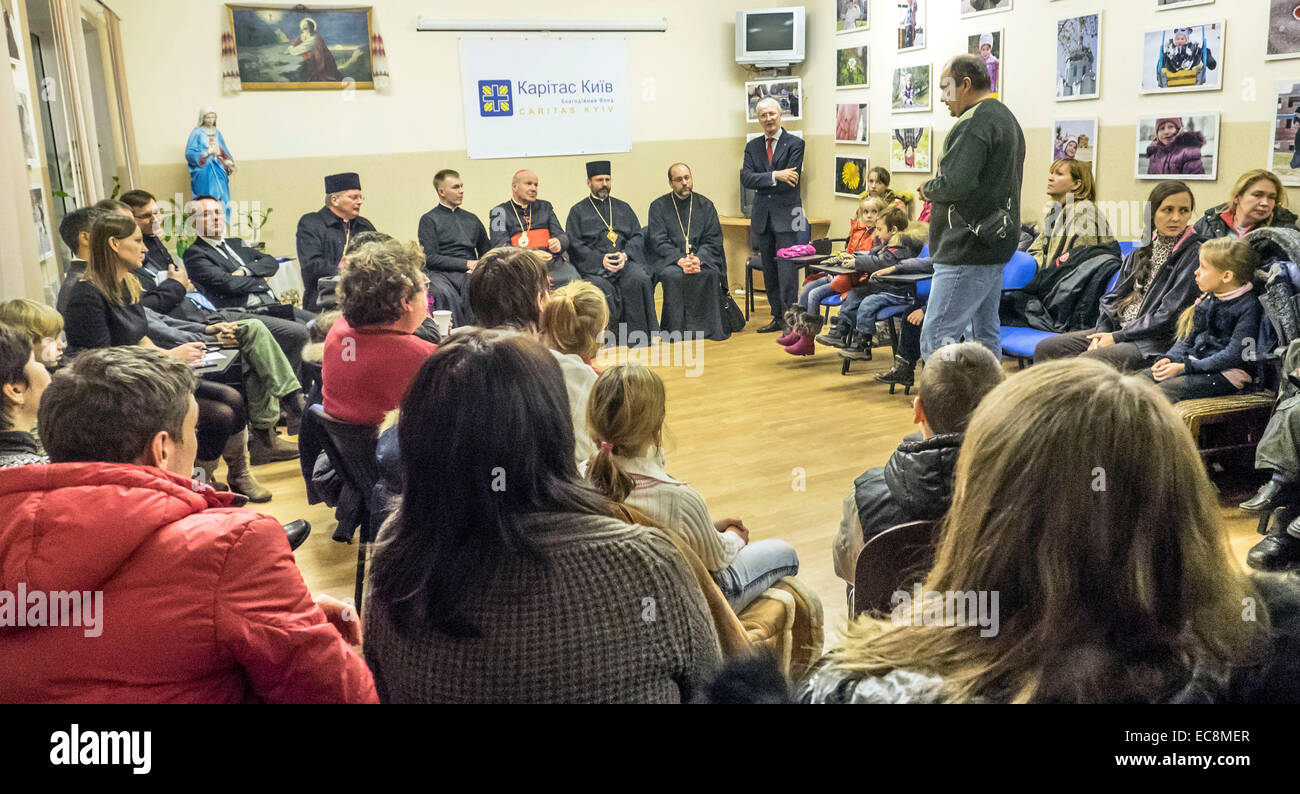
x,y
978,187
773,167
453,240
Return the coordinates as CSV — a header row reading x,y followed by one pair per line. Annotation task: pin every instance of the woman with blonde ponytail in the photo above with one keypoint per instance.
x,y
1216,336
626,416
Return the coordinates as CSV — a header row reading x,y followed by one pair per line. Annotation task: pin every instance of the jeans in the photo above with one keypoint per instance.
x,y
814,292
1124,356
873,305
964,301
1193,386
848,314
755,568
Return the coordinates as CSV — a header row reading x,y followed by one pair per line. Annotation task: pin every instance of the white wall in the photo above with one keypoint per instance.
x,y
687,75
692,109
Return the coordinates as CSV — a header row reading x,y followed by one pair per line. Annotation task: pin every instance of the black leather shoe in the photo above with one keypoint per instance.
x,y
297,532
1275,553
1271,494
772,327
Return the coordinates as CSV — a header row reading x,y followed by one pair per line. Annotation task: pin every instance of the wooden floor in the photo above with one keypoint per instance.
x,y
774,440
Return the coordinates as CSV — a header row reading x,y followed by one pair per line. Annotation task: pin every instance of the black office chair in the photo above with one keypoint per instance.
x,y
311,380
891,561
351,450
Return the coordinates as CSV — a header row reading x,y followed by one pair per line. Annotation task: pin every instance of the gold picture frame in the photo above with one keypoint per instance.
x,y
331,51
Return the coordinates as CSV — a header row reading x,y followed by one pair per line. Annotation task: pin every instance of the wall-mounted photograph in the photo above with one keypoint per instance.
x,y
27,123
852,15
850,176
852,67
291,49
11,40
911,89
1283,155
44,238
975,8
788,91
909,150
852,123
1078,58
988,48
1184,147
1166,5
1184,58
1075,139
911,25
1283,30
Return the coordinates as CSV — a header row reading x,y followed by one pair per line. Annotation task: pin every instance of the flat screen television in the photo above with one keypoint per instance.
x,y
770,37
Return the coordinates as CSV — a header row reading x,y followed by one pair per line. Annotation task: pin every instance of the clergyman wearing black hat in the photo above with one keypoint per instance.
x,y
324,235
605,244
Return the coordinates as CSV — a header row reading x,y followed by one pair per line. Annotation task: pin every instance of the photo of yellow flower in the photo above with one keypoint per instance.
x,y
850,176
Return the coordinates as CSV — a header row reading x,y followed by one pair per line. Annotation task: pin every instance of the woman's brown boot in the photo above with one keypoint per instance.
x,y
241,473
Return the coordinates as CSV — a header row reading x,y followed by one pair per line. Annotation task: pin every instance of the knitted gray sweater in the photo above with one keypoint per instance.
x,y
614,617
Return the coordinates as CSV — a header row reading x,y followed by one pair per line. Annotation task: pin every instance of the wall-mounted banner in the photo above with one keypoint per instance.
x,y
531,96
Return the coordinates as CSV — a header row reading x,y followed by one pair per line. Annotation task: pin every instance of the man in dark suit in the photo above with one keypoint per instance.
x,y
773,164
233,276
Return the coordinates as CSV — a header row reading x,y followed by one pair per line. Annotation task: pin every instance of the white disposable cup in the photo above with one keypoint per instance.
x,y
442,319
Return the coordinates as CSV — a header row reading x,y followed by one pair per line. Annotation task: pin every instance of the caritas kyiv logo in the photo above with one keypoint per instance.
x,y
494,98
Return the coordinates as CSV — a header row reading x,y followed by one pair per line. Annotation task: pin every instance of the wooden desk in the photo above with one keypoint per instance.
x,y
735,243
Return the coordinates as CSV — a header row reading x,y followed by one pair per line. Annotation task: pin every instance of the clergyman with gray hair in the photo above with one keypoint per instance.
x,y
773,168
975,214
325,236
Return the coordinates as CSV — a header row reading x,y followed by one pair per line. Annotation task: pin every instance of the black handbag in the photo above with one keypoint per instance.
x,y
992,230
733,319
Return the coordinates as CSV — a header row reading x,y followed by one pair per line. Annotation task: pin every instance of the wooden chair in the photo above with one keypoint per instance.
x,y
893,560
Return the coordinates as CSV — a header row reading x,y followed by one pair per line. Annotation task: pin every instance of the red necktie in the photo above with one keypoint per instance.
x,y
771,145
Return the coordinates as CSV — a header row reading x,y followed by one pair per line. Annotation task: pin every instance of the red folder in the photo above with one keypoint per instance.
x,y
537,238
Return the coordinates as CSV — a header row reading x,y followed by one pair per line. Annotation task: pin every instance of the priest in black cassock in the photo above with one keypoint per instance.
x,y
602,230
326,235
684,250
525,221
453,240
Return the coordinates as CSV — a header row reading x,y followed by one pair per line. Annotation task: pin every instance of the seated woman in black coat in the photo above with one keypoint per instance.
x,y
107,309
1258,200
1156,283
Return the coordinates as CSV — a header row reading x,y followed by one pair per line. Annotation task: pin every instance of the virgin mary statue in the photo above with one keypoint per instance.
x,y
209,159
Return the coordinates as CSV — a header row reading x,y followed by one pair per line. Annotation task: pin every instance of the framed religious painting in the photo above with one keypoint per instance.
x,y
293,48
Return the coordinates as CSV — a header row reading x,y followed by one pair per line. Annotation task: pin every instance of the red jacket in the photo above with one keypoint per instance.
x,y
202,602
